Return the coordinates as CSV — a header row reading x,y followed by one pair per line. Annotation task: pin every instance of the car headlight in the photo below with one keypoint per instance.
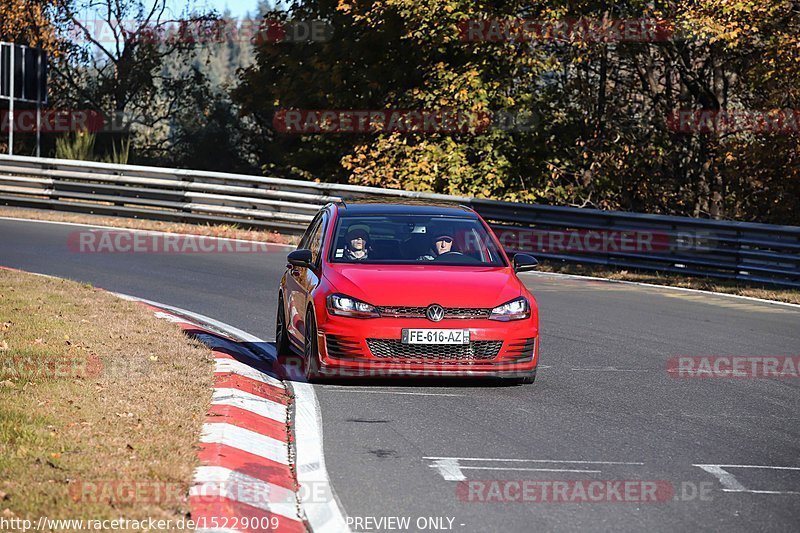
x,y
516,309
339,304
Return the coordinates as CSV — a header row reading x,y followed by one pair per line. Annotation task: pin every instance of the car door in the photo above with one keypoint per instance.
x,y
301,281
293,289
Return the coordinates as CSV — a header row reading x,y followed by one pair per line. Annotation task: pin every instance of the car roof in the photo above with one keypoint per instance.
x,y
402,207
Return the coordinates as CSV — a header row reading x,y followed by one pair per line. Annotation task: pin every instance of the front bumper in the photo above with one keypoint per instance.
x,y
344,350
374,372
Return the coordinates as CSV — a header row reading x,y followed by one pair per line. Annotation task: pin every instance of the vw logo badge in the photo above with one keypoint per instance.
x,y
434,312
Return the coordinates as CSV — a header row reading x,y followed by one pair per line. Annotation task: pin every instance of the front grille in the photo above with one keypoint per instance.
x,y
449,312
394,349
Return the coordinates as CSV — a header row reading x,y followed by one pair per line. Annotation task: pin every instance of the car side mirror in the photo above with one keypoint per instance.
x,y
524,262
300,258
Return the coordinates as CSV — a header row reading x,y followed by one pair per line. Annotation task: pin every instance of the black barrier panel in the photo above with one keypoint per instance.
x,y
30,73
5,69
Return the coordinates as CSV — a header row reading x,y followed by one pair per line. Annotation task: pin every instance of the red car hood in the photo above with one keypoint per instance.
x,y
409,285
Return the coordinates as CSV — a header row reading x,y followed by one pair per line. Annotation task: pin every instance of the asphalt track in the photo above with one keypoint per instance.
x,y
603,406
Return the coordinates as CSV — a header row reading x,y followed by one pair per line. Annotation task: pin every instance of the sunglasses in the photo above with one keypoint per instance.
x,y
444,239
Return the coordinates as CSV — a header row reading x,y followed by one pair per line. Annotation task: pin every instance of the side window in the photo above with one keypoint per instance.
x,y
315,240
312,227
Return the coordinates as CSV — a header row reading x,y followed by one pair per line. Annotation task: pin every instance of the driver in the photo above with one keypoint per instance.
x,y
357,244
442,244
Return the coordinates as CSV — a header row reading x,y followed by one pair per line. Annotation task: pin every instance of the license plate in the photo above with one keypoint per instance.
x,y
435,336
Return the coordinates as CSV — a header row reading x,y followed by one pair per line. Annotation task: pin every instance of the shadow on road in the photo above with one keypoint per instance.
x,y
264,357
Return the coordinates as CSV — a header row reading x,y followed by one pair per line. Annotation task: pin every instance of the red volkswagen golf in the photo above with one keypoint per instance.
x,y
406,289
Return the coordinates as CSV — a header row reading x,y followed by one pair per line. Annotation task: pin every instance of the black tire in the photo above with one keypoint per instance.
x,y
281,334
310,349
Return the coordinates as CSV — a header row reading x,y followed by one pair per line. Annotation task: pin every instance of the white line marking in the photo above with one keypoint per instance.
x,y
396,392
237,367
249,402
756,466
727,479
536,461
324,514
724,415
449,468
526,469
173,318
201,319
310,461
762,491
608,369
212,481
667,287
246,440
731,484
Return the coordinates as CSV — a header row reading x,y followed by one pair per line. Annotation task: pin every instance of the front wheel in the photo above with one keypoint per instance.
x,y
311,349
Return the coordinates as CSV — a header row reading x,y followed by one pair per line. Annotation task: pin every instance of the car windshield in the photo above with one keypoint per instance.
x,y
414,239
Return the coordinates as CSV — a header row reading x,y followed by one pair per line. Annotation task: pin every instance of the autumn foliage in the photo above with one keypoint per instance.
x,y
601,136
30,22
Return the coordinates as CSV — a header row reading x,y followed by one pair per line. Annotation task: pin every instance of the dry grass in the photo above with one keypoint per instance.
x,y
230,231
124,401
675,280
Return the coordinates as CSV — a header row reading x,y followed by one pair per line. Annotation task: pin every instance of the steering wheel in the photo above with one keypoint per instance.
x,y
456,257
450,253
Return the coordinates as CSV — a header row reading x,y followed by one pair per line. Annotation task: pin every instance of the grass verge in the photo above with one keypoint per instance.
x,y
101,404
232,231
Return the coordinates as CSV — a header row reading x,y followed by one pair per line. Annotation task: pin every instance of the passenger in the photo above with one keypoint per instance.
x,y
442,244
357,244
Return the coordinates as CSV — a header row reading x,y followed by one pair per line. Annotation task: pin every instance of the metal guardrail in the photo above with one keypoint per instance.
x,y
720,249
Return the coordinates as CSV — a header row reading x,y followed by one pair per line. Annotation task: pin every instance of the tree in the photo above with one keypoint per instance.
x,y
31,22
386,55
603,138
118,67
